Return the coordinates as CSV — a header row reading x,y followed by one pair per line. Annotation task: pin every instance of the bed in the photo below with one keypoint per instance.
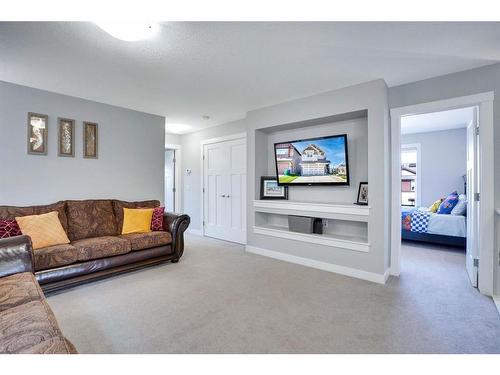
x,y
440,229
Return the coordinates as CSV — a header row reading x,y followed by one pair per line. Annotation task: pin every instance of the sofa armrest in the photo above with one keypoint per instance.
x,y
16,255
176,225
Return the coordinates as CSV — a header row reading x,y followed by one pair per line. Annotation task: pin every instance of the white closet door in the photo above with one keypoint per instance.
x,y
236,184
224,197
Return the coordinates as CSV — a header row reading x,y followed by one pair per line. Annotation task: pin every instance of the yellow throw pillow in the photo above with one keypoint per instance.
x,y
45,230
137,220
435,205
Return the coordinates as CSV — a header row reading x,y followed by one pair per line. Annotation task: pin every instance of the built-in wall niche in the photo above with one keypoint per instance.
x,y
355,125
344,227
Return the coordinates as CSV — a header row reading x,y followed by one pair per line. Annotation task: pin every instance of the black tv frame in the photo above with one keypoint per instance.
x,y
347,183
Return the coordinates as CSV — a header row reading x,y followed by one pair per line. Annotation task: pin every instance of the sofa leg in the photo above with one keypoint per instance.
x,y
175,260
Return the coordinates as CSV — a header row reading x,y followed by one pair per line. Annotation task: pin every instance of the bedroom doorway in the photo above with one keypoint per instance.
x,y
440,162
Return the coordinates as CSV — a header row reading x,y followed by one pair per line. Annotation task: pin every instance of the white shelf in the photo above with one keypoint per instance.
x,y
348,212
333,240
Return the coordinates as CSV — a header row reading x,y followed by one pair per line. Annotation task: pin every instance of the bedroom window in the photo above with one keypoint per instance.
x,y
409,157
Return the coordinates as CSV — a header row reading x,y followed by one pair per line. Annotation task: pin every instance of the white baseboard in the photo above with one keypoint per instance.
x,y
496,299
347,271
196,232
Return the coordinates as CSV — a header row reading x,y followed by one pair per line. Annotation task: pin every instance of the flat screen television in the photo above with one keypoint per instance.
x,y
314,161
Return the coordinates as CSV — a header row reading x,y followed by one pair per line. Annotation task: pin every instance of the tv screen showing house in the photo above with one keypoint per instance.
x,y
315,161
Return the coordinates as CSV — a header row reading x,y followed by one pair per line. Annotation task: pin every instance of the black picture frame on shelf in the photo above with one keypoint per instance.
x,y
362,194
269,188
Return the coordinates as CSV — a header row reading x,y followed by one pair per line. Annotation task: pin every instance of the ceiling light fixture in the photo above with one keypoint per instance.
x,y
130,31
177,128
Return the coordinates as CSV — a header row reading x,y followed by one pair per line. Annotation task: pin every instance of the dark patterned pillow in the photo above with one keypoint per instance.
x,y
157,220
9,228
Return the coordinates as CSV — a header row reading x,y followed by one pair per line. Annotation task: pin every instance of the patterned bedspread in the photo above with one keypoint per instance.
x,y
415,220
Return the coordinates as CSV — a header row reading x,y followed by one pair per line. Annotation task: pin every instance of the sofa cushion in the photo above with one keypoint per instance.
x,y
10,212
100,247
90,218
56,345
26,325
118,207
140,241
55,256
18,289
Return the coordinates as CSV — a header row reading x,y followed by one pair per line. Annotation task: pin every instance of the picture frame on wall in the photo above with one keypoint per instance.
x,y
66,137
362,194
90,140
38,127
269,188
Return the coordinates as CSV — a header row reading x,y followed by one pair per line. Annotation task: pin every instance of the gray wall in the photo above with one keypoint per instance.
x,y
131,158
191,159
443,162
371,96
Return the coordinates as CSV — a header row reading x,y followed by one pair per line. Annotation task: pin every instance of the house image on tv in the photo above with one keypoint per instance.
x,y
341,169
314,162
287,159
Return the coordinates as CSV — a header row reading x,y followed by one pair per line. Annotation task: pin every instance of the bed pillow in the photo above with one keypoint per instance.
x,y
434,207
448,204
461,206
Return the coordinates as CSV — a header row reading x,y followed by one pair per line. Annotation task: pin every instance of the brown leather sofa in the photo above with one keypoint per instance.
x,y
27,324
97,248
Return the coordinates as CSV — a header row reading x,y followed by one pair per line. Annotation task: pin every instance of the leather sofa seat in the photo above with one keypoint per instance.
x,y
55,256
100,247
141,241
18,289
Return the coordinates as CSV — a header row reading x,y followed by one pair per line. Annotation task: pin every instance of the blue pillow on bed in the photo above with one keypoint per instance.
x,y
448,204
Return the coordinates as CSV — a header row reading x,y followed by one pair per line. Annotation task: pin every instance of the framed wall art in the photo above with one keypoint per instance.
x,y
66,137
37,133
90,140
269,188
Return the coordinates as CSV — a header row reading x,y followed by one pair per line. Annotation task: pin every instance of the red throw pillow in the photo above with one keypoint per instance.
x,y
9,228
157,220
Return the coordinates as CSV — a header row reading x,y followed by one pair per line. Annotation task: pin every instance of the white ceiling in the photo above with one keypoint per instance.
x,y
223,70
436,121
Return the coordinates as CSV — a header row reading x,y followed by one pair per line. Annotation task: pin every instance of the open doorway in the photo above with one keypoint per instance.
x,y
172,175
442,157
436,167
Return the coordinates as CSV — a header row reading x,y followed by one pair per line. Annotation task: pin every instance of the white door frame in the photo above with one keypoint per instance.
x,y
484,101
204,142
178,174
416,146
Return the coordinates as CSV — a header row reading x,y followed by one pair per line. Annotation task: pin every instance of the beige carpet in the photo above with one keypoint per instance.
x,y
219,299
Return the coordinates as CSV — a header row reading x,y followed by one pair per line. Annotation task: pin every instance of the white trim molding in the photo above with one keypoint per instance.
x,y
347,271
484,101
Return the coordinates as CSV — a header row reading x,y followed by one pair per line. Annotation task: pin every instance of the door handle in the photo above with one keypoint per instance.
x,y
223,195
228,196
